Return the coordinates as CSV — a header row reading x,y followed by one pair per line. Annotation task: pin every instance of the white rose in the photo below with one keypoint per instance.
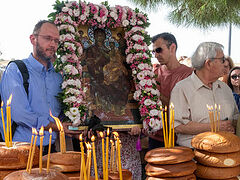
x,y
76,12
139,22
83,17
157,125
125,23
65,9
154,112
152,122
140,76
148,102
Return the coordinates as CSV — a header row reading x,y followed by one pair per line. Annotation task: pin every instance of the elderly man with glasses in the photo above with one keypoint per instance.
x,y
169,71
192,95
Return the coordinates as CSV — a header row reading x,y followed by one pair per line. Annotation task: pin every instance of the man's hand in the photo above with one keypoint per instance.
x,y
226,125
135,131
69,132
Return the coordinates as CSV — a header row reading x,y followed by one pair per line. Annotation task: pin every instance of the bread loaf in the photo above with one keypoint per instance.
x,y
171,170
218,142
234,178
188,177
173,155
208,172
127,175
217,159
16,157
24,175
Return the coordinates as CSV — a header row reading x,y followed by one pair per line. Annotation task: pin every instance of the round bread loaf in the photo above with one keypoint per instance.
x,y
16,157
234,178
188,177
173,155
218,142
68,158
126,174
208,172
24,175
4,173
170,170
217,159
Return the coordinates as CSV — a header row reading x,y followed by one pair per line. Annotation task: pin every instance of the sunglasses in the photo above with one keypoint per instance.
x,y
157,50
235,76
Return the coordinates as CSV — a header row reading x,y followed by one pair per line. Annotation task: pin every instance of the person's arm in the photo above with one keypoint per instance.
x,y
21,110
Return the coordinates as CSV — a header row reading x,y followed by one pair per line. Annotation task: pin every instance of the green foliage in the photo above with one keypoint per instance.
x,y
200,13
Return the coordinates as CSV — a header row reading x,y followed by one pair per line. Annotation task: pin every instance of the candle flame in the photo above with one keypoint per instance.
x,y
58,122
160,108
171,105
219,107
50,131
2,104
115,133
35,131
111,141
165,108
215,106
207,106
41,131
9,100
93,138
80,137
108,131
101,134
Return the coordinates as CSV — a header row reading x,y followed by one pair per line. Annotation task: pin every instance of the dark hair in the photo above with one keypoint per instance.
x,y
229,76
38,26
167,37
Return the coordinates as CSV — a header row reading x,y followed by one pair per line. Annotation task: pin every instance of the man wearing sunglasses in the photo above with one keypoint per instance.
x,y
202,89
169,71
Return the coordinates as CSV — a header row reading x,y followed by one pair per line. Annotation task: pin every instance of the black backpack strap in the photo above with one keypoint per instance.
x,y
24,71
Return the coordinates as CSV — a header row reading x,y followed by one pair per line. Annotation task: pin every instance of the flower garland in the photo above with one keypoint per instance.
x,y
68,16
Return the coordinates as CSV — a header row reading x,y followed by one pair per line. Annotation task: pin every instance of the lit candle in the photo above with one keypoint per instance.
x,y
61,134
215,119
83,167
163,124
166,125
107,145
30,151
219,116
119,159
210,116
33,151
94,158
49,149
170,128
9,121
103,156
3,122
89,160
41,148
173,125
111,155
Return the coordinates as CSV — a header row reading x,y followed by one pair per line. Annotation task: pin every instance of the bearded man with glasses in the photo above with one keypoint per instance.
x,y
169,71
192,95
31,110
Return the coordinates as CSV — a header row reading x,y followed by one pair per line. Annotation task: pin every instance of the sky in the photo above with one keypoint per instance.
x,y
19,17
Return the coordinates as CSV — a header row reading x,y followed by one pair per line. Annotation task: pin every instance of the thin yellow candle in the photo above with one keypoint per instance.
x,y
89,160
41,148
215,119
173,126
166,125
30,151
115,155
49,149
3,122
163,125
219,116
107,145
94,158
82,159
119,159
9,121
210,116
103,156
7,135
111,155
170,128
61,134
33,151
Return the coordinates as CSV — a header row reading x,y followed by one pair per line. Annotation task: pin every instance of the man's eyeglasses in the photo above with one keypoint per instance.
x,y
223,59
49,38
157,50
235,76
